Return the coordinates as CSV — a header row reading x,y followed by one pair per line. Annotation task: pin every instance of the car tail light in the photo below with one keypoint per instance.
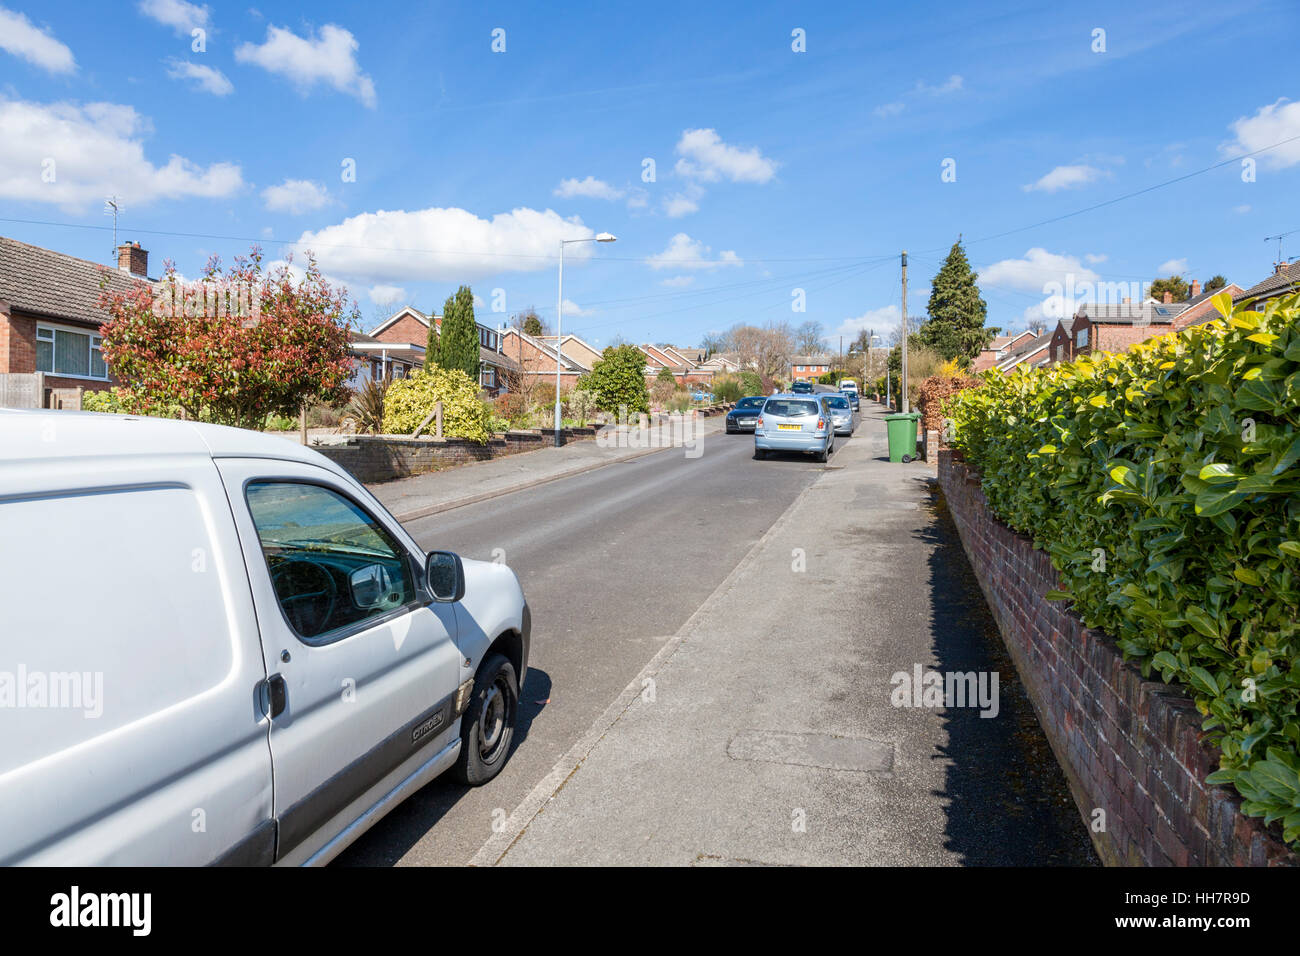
x,y
760,421
821,423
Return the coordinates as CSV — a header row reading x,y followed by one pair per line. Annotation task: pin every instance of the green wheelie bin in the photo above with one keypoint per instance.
x,y
901,428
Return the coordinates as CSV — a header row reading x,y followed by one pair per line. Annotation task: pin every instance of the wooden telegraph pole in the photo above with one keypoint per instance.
x,y
903,377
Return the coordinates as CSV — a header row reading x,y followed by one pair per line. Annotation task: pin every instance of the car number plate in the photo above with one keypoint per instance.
x,y
789,428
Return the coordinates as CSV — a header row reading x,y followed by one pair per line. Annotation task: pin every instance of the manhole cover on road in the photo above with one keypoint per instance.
x,y
813,750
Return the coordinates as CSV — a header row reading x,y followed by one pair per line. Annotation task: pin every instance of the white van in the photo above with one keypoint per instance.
x,y
217,647
849,385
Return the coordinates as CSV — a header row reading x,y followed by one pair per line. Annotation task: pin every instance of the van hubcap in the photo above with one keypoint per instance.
x,y
492,720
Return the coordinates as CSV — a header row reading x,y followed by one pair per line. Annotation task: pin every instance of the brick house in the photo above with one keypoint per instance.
x,y
1112,327
1200,306
999,347
409,327
50,313
1030,352
1285,280
536,359
808,367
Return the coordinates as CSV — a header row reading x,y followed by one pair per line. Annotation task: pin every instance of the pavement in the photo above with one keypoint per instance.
x,y
714,641
763,731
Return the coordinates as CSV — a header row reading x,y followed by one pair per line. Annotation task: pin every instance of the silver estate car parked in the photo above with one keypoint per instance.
x,y
840,408
216,646
794,423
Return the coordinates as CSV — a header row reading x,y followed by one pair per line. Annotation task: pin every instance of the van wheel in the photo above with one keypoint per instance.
x,y
488,726
822,455
759,454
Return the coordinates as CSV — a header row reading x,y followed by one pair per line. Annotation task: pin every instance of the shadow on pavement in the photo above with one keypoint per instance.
x,y
1008,803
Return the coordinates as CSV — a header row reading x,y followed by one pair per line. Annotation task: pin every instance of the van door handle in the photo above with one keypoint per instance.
x,y
278,694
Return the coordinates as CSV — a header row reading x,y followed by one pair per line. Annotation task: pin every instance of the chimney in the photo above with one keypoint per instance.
x,y
1169,297
1196,288
1279,268
1126,301
132,259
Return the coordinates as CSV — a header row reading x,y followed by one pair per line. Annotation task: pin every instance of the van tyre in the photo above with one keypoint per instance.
x,y
488,727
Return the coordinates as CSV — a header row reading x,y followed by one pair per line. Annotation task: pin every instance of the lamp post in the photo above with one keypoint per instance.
x,y
559,321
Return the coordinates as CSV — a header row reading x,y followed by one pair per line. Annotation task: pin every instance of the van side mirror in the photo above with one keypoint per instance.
x,y
446,575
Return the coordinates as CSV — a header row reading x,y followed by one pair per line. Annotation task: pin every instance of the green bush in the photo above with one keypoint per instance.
x,y
727,388
750,383
412,398
618,379
104,401
1165,485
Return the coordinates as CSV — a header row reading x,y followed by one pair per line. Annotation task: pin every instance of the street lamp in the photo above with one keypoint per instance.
x,y
559,321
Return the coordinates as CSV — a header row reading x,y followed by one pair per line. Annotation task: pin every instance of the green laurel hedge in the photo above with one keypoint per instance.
x,y
1163,483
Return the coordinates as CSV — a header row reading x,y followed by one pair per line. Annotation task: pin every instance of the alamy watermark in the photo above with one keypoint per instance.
x,y
52,690
951,689
208,300
656,430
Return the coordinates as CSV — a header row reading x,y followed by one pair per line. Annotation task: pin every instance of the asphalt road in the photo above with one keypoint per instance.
x,y
613,562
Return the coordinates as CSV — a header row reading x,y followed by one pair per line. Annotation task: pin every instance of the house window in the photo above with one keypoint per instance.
x,y
488,377
1081,337
65,352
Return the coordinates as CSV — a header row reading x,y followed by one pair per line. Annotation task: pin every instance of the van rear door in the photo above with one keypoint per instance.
x,y
129,659
363,667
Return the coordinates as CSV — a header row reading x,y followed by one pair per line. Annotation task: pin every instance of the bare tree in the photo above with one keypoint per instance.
x,y
1038,325
713,343
808,338
766,350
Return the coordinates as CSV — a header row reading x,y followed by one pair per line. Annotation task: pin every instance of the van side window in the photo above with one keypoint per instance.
x,y
331,563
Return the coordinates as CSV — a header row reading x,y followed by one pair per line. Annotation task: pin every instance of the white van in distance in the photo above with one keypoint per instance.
x,y
217,647
849,385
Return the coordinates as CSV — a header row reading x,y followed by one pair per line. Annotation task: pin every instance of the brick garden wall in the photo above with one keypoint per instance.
x,y
1128,746
371,458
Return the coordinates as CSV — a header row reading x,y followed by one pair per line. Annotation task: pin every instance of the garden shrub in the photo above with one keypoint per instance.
x,y
412,398
1164,484
935,392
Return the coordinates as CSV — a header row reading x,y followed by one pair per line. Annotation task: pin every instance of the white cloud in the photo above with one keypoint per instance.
x,y
206,78
444,244
329,58
704,156
638,199
572,308
97,150
589,188
881,321
387,294
295,196
683,252
677,282
1093,259
1242,209
177,14
1271,124
885,110
1172,266
1036,269
19,36
1066,177
685,202
953,84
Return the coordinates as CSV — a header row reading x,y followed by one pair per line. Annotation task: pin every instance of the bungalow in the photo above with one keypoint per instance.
x,y
1117,327
536,359
410,327
50,318
376,359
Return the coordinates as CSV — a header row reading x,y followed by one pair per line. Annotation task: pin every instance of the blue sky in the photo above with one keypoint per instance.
x,y
775,169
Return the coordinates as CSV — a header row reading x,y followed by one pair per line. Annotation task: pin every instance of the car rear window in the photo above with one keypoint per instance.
x,y
837,402
750,403
787,408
